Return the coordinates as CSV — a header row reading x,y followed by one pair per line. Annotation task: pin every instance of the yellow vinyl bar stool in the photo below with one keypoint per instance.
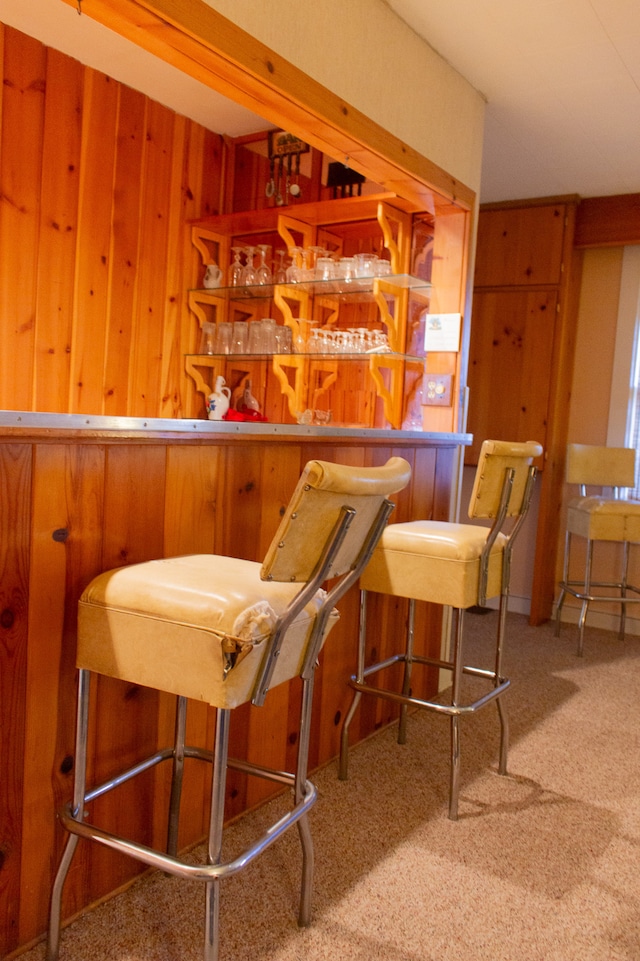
x,y
601,516
459,566
223,630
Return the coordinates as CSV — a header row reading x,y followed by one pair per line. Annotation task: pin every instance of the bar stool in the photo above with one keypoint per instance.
x,y
459,566
223,630
604,516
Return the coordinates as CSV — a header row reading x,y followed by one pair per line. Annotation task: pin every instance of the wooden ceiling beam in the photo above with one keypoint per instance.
x,y
194,38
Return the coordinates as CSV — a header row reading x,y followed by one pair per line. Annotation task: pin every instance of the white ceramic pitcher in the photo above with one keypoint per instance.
x,y
219,400
212,276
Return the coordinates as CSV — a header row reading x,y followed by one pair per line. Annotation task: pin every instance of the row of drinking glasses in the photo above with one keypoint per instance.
x,y
314,263
267,337
305,264
356,340
250,273
256,337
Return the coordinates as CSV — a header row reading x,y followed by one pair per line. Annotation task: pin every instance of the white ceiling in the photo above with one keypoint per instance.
x,y
561,79
562,84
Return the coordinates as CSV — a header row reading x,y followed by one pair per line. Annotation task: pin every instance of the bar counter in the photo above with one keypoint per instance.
x,y
83,494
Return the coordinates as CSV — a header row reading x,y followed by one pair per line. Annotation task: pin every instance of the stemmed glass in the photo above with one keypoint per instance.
x,y
293,270
280,272
236,269
316,253
263,273
249,271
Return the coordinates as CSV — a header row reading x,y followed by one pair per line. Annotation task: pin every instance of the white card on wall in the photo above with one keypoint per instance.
x,y
442,332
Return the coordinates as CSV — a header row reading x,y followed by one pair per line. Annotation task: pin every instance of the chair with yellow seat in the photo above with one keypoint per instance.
x,y
601,515
223,631
458,566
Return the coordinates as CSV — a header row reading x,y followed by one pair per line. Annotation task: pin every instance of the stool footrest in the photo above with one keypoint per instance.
x,y
571,587
452,710
177,867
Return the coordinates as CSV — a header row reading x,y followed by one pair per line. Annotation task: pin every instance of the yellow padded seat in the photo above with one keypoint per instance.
x,y
604,519
163,623
434,561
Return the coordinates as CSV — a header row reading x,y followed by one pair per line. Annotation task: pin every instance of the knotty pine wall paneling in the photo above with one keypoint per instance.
x,y
97,184
15,524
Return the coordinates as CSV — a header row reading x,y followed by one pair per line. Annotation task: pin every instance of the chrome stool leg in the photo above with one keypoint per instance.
x,y
408,666
214,854
79,789
343,764
623,589
454,785
502,710
565,581
304,831
177,776
586,597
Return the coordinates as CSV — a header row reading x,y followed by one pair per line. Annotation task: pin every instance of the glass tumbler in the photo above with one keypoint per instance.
x,y
240,337
207,338
223,338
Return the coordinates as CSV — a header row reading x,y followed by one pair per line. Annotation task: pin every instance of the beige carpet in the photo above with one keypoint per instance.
x,y
543,865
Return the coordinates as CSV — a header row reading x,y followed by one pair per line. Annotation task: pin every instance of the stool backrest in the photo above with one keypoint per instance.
x,y
496,458
329,531
590,465
323,491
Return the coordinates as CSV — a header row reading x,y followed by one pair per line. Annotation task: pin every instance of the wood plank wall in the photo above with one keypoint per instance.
x,y
97,182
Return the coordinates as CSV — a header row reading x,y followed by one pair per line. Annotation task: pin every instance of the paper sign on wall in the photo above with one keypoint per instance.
x,y
442,332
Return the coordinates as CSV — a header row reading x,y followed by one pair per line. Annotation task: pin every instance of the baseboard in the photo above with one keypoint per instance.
x,y
601,619
517,604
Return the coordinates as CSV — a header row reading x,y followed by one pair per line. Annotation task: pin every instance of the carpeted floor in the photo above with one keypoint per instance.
x,y
541,866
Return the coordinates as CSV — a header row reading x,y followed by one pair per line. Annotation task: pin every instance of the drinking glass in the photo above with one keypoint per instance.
x,y
284,339
366,265
324,268
240,337
293,270
235,270
269,334
346,268
256,337
223,338
207,339
280,272
249,272
263,273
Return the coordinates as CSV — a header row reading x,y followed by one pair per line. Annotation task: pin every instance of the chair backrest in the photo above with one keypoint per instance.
x,y
316,506
496,458
590,465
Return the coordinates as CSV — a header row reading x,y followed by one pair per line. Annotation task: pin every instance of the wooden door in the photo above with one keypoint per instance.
x,y
511,352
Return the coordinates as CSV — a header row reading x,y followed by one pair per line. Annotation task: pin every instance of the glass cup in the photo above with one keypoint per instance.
x,y
346,268
269,335
207,339
366,265
256,337
223,338
240,337
324,269
283,339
